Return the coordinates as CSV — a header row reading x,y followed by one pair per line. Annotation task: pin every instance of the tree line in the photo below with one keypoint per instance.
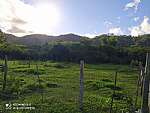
x,y
102,49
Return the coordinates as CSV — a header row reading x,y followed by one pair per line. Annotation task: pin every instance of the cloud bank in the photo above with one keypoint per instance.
x,y
116,31
143,28
19,18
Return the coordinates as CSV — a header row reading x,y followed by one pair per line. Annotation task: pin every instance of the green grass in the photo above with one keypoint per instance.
x,y
58,91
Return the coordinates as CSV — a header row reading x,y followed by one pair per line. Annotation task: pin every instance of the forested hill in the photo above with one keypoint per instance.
x,y
39,39
72,48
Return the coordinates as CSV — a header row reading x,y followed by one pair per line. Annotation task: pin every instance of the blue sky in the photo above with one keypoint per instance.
x,y
86,17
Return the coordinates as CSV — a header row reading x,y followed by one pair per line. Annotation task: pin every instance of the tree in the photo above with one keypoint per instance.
x,y
60,53
2,38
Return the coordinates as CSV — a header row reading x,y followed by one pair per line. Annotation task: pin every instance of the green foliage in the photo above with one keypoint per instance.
x,y
30,71
105,83
2,39
52,85
60,87
34,87
101,49
95,85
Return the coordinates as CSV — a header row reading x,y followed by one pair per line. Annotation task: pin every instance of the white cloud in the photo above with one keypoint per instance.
x,y
19,18
90,35
143,28
116,31
134,4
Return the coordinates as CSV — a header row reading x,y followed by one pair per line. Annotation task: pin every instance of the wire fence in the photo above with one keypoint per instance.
x,y
52,87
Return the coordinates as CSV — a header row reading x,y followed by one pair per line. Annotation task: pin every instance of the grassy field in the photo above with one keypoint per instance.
x,y
59,89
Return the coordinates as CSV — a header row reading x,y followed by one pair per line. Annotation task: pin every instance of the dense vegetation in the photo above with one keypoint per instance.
x,y
101,49
59,88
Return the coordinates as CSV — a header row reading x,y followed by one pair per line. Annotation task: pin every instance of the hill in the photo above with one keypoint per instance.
x,y
40,39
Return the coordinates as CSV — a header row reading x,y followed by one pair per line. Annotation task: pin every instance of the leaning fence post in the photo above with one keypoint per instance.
x,y
81,84
145,98
138,84
5,73
142,79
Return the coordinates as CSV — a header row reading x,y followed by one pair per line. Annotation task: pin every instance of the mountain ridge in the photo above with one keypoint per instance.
x,y
105,39
40,39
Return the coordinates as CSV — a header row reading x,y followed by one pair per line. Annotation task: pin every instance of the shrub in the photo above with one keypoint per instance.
x,y
106,80
111,86
119,96
52,85
34,87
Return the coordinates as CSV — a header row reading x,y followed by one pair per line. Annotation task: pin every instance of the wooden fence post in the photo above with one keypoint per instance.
x,y
145,98
5,73
37,73
139,82
29,62
142,79
114,92
81,84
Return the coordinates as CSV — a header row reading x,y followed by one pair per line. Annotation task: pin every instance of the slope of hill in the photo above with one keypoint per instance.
x,y
39,39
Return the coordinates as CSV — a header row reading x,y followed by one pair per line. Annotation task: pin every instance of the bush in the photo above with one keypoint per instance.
x,y
119,96
106,80
111,86
34,87
59,66
52,85
8,95
96,85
